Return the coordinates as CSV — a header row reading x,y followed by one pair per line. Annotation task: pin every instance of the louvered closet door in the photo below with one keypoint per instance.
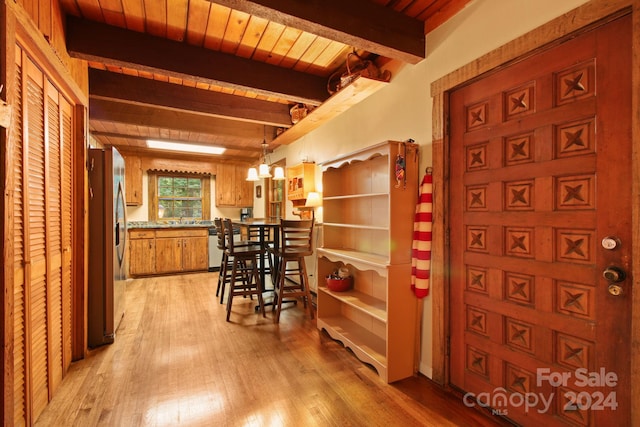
x,y
19,253
35,238
42,208
66,143
53,118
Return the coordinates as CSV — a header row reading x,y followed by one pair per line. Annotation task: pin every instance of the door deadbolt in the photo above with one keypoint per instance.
x,y
615,290
614,274
610,243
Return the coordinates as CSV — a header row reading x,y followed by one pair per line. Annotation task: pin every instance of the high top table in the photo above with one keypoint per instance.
x,y
264,225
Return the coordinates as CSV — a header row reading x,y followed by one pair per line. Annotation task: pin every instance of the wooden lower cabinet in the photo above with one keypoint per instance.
x,y
168,254
195,256
142,252
142,258
165,251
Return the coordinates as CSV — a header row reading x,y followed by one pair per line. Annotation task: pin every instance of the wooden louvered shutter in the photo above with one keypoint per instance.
x,y
36,239
19,292
54,238
42,134
66,215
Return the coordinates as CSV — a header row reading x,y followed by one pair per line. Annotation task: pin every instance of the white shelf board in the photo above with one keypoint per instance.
x,y
358,226
367,347
366,303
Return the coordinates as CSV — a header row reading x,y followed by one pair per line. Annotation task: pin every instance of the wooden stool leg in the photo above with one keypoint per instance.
x,y
222,276
219,276
302,277
231,291
256,277
307,291
278,294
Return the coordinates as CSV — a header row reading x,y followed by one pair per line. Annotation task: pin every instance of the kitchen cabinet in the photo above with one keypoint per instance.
x,y
368,228
133,180
195,253
300,181
142,252
166,250
232,187
168,254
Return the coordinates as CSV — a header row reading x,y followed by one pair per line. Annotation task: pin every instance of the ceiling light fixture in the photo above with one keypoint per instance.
x,y
252,174
189,148
278,174
262,171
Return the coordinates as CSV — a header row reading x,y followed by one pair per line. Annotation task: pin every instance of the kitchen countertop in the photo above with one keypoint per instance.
x,y
171,224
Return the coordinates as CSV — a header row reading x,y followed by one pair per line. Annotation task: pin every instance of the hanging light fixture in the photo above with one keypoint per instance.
x,y
255,174
262,171
252,174
278,174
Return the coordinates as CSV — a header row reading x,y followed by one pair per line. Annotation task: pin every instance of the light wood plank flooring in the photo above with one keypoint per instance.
x,y
177,362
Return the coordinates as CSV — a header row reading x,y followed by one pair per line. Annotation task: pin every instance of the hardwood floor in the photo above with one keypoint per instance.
x,y
177,362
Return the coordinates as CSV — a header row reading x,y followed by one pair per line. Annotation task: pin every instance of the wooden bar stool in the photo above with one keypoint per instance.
x,y
245,278
256,235
226,263
224,275
292,279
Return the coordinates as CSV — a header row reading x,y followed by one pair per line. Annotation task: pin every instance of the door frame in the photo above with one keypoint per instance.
x,y
579,20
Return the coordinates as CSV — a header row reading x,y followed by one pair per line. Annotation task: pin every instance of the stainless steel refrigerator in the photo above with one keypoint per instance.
x,y
107,245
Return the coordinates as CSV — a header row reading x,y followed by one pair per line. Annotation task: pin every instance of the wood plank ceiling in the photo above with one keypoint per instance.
x,y
227,72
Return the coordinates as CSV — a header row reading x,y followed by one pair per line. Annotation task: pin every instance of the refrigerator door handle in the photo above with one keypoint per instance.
x,y
120,224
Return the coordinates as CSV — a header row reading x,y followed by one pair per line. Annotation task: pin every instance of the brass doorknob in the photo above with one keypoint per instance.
x,y
614,274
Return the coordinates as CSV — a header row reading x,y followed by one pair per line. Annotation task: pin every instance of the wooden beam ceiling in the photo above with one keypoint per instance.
x,y
223,131
253,150
231,69
360,23
135,90
93,41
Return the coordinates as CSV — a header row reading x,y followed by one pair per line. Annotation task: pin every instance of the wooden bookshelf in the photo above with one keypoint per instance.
x,y
368,228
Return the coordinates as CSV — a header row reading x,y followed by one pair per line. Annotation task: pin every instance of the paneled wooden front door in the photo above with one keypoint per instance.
x,y
540,175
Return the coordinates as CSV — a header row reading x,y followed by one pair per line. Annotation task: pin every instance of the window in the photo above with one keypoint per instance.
x,y
180,197
276,194
175,197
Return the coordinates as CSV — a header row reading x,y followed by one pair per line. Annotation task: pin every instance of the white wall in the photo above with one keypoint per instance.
x,y
403,109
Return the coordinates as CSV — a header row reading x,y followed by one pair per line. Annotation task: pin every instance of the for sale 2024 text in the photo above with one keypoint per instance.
x,y
596,393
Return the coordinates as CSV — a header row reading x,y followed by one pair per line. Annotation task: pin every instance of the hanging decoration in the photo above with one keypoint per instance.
x,y
421,248
401,166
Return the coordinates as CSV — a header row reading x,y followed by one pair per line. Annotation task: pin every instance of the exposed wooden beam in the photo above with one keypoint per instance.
x,y
360,89
136,90
360,23
223,131
94,41
98,134
444,10
154,155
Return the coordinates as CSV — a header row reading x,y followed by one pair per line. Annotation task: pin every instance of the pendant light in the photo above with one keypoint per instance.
x,y
252,174
278,174
255,174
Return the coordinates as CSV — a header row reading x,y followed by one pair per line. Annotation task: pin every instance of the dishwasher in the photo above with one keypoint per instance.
x,y
215,254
